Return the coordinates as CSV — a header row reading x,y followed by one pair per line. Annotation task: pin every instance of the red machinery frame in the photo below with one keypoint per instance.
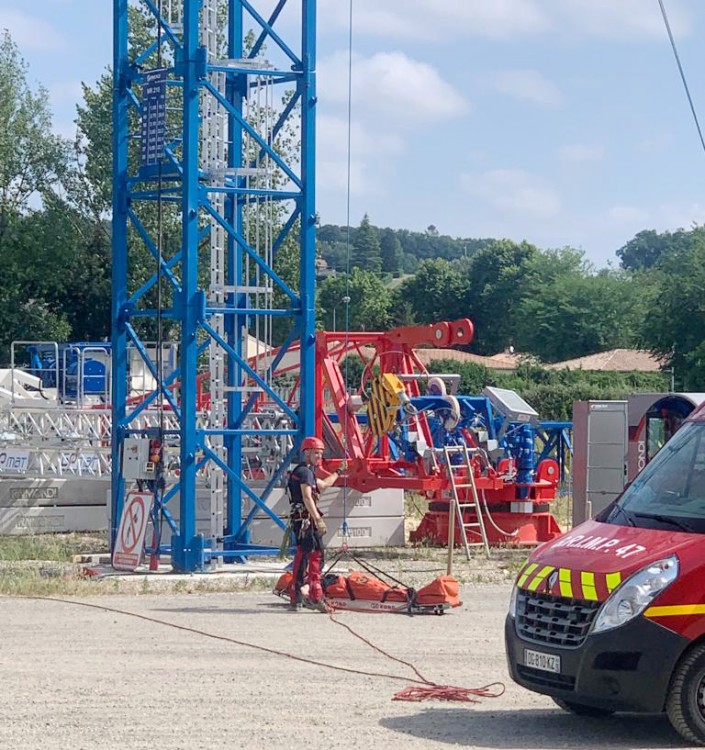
x,y
516,517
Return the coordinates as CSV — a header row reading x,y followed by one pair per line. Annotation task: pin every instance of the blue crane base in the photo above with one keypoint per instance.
x,y
195,556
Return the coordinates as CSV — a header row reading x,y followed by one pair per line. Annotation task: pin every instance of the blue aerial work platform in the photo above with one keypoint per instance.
x,y
187,160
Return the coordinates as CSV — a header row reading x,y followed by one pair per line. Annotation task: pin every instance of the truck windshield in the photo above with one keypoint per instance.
x,y
669,493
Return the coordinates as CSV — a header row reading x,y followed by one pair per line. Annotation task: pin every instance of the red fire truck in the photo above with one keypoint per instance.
x,y
611,615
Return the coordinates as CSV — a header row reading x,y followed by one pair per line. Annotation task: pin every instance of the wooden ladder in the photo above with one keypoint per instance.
x,y
459,483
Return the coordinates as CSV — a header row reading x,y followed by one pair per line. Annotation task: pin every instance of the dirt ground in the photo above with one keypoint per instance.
x,y
79,678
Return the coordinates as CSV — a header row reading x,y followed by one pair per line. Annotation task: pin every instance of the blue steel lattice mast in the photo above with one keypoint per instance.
x,y
191,140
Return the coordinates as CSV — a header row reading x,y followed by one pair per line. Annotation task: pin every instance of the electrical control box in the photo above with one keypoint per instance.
x,y
136,462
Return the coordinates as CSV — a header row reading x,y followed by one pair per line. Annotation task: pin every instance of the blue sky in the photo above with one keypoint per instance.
x,y
562,122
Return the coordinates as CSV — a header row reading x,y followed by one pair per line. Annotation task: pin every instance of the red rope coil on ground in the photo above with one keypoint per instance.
x,y
449,693
428,690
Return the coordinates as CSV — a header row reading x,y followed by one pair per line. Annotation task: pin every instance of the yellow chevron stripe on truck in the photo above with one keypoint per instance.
x,y
571,584
587,581
565,583
539,577
528,570
613,580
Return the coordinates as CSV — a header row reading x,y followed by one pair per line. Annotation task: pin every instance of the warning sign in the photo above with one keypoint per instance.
x,y
129,542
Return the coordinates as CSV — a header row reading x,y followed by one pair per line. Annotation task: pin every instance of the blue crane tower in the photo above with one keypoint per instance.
x,y
206,195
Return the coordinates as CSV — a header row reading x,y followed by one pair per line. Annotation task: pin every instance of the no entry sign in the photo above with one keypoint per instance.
x,y
129,542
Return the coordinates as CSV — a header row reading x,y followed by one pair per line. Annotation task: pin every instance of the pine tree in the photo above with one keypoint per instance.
x,y
392,253
366,254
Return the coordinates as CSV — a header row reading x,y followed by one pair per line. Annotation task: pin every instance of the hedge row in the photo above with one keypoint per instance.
x,y
552,392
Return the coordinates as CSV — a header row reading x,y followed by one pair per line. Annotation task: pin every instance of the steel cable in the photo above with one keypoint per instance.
x,y
682,72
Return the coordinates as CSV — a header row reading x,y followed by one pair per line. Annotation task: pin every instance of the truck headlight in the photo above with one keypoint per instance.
x,y
513,602
635,594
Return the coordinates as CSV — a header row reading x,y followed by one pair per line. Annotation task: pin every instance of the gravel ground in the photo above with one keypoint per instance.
x,y
75,678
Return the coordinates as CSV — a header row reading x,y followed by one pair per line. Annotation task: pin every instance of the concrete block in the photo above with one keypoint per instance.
x,y
368,524
381,503
40,493
60,519
362,532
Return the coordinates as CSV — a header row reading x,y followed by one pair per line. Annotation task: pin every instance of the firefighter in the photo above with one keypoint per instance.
x,y
307,524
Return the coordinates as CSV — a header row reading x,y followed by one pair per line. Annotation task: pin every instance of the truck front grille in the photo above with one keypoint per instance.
x,y
542,618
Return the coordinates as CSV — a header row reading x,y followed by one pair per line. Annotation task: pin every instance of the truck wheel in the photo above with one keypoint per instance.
x,y
580,709
685,704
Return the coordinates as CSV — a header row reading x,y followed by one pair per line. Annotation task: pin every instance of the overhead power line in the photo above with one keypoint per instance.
x,y
682,72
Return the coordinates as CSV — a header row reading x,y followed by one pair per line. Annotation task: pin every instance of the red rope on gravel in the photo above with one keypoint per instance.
x,y
426,689
431,690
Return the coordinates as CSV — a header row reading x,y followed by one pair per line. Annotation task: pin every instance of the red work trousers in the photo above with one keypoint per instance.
x,y
307,569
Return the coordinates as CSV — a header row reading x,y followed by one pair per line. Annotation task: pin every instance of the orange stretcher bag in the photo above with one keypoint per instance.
x,y
366,587
444,590
363,592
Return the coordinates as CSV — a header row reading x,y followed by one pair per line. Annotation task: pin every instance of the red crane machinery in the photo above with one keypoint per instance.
x,y
453,449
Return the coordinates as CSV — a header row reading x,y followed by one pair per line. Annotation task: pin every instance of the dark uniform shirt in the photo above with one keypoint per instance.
x,y
302,474
305,532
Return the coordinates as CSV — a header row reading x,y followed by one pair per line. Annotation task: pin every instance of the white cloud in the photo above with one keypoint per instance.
x,y
430,19
672,216
30,33
369,18
621,19
663,217
581,152
391,84
500,19
514,192
527,85
371,156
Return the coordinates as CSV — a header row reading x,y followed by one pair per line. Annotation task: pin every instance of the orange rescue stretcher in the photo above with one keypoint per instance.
x,y
363,591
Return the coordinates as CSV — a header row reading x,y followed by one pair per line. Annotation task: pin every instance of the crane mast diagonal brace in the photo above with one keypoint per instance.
x,y
213,199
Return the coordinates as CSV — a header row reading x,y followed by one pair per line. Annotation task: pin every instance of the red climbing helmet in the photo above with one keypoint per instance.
x,y
312,443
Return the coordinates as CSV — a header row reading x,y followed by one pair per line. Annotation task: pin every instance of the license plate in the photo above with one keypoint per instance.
x,y
544,662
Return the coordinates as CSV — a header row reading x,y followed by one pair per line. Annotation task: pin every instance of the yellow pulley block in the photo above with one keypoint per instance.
x,y
387,395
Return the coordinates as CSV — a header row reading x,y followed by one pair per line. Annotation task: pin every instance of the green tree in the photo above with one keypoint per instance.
x,y
410,263
366,248
369,303
579,313
676,321
648,248
73,254
496,276
32,247
401,311
391,252
32,159
436,292
55,283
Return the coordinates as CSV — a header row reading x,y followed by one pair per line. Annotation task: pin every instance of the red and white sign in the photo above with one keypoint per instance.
x,y
129,542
